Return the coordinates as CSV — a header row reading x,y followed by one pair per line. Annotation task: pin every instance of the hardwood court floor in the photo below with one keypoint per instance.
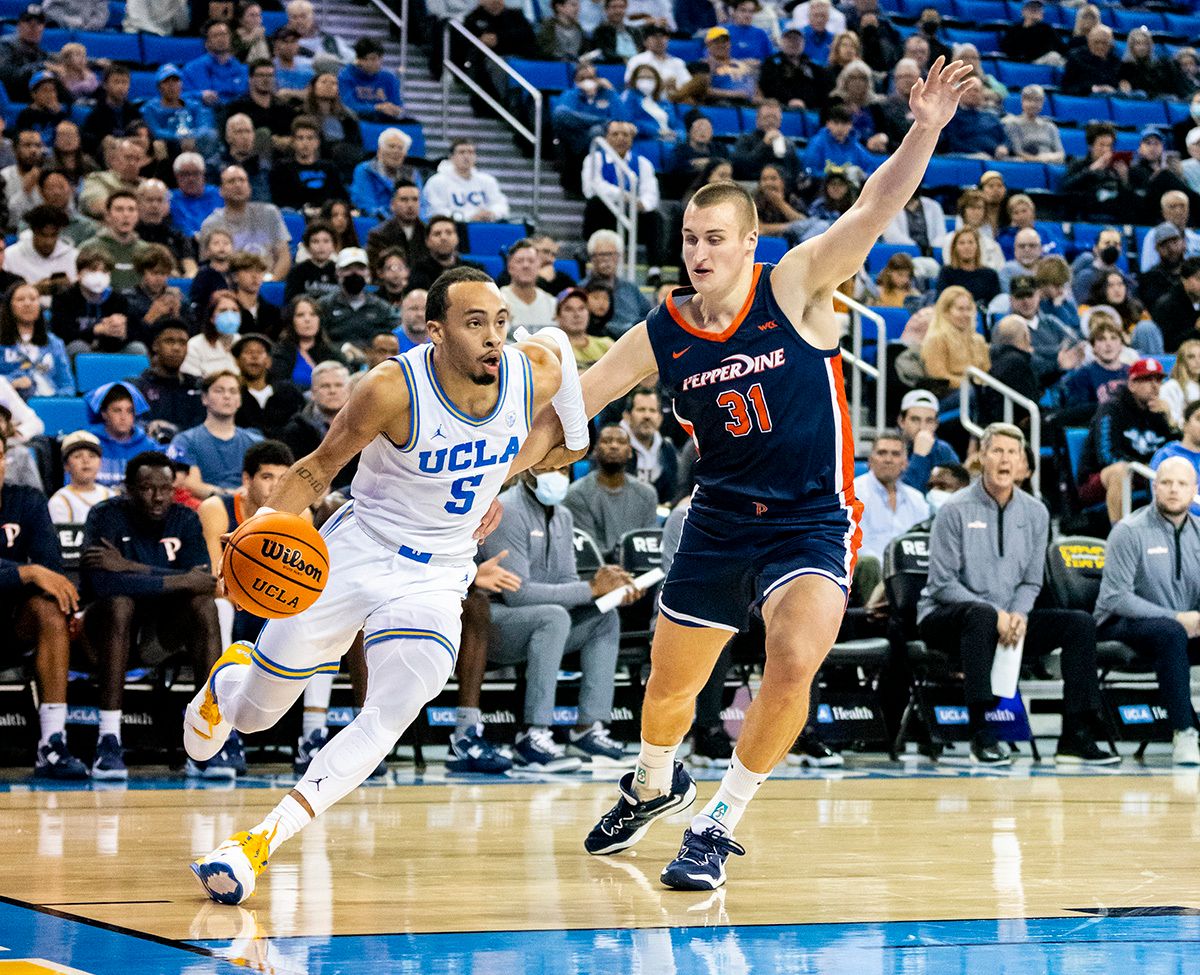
x,y
416,860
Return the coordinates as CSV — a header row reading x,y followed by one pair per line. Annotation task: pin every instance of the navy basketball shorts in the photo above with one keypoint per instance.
x,y
728,564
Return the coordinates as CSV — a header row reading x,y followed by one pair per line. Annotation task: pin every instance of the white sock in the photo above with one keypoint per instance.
x,y
465,718
312,719
110,723
654,770
737,788
53,719
283,822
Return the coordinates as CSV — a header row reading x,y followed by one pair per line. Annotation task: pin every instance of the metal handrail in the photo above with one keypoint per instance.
x,y
1011,398
401,23
1131,468
450,68
627,218
878,372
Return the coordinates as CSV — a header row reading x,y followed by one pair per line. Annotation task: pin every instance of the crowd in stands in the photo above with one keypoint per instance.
x,y
252,231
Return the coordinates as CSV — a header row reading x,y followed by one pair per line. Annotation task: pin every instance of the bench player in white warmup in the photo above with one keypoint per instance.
x,y
438,428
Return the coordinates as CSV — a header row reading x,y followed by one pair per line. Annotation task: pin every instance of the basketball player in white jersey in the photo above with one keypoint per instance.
x,y
438,429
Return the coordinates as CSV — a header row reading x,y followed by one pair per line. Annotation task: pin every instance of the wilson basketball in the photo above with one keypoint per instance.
x,y
275,566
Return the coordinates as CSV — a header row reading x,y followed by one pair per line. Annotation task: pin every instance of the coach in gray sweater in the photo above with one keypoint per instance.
x,y
987,554
1150,593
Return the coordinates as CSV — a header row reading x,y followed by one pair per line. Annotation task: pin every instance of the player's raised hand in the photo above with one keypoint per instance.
x,y
934,100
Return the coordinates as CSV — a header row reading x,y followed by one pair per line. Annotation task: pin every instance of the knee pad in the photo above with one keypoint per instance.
x,y
402,676
360,745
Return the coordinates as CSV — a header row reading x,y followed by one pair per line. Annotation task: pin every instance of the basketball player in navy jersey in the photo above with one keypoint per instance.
x,y
750,357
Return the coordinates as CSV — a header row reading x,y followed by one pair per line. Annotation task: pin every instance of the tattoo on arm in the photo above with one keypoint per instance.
x,y
315,484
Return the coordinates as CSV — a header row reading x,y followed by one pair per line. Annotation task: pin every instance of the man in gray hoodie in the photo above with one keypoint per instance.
x,y
987,555
1150,593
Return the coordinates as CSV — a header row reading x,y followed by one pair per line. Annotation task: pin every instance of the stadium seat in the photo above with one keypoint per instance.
x,y
493,238
587,555
1074,142
543,75
725,121
294,222
171,50
60,414
1167,362
688,50
1016,75
1183,25
1123,21
880,254
793,125
1086,234
652,149
493,264
1022,175
953,171
894,320
1075,438
1127,141
142,85
11,9
568,267
1079,109
417,134
614,74
980,11
363,226
272,291
116,15
1138,111
183,284
1139,238
987,41
94,369
272,20
112,45
770,249
1178,111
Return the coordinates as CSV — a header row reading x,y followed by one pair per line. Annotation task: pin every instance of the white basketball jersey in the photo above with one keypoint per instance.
x,y
426,497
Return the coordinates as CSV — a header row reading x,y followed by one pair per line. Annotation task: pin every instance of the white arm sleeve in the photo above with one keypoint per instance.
x,y
568,401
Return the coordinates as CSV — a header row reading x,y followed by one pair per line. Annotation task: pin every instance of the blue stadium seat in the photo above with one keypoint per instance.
x,y
1123,21
494,265
363,226
1183,25
80,111
111,45
171,50
1056,14
1075,437
1138,111
894,320
1086,234
493,238
1022,175
614,74
568,267
1055,172
953,171
725,121
272,20
183,284
770,249
1074,142
543,75
11,9
688,50
142,85
652,149
272,291
793,125
1139,238
417,134
1012,103
1167,362
1177,111
1016,75
94,369
880,254
812,122
1080,109
1127,142
987,41
294,221
980,11
116,15
60,414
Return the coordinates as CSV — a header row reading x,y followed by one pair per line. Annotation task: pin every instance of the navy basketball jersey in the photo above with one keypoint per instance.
x,y
766,410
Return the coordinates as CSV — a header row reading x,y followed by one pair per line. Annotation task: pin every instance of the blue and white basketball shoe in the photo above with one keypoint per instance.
x,y
628,820
700,862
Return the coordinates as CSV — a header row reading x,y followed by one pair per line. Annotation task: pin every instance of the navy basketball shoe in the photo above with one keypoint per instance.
x,y
700,863
628,820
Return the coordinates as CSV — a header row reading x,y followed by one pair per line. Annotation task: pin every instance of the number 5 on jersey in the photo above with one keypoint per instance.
x,y
740,422
462,495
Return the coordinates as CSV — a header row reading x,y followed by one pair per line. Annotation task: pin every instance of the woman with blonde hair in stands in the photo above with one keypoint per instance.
x,y
952,344
1086,17
845,49
965,268
855,89
1184,385
972,211
896,281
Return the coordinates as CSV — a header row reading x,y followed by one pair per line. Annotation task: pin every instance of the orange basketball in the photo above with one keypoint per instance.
x,y
275,566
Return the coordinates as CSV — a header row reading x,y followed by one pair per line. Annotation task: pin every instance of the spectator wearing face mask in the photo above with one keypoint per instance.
x,y
211,350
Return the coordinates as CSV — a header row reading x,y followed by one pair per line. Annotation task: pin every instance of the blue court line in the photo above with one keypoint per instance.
x,y
1048,946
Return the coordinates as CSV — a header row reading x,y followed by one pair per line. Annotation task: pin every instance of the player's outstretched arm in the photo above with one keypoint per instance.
x,y
379,404
822,263
621,368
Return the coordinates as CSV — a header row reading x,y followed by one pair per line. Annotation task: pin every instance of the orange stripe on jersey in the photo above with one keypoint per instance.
x,y
854,506
724,336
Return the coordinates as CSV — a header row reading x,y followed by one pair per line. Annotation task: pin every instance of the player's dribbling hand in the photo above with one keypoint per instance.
x,y
491,521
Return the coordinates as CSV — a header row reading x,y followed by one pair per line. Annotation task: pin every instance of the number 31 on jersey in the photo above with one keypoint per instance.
x,y
746,410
